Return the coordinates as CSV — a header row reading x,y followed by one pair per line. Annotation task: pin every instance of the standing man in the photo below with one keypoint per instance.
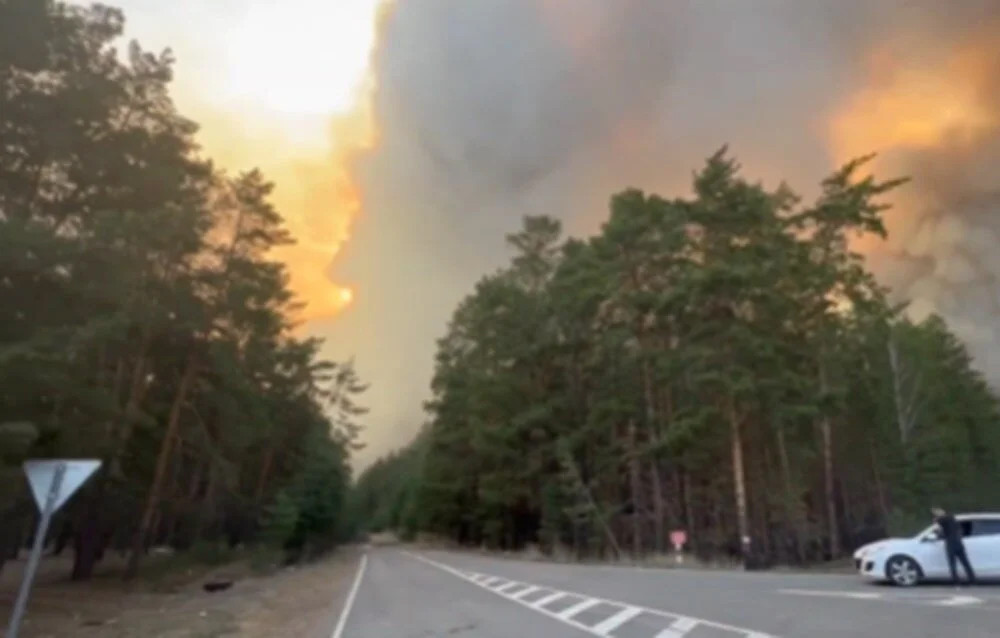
x,y
951,534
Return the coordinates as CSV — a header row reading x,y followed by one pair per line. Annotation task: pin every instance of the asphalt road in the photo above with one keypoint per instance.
x,y
404,594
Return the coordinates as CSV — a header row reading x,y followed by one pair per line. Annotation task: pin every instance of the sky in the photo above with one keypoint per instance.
x,y
404,153
278,85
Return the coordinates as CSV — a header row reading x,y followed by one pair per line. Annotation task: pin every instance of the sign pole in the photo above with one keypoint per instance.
x,y
36,552
678,538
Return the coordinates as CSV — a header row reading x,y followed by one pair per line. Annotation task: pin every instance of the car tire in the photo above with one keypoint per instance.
x,y
903,571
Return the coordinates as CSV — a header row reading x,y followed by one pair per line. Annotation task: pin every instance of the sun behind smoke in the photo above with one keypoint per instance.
x,y
299,77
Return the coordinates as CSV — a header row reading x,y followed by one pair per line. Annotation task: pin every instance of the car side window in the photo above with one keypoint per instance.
x,y
984,527
966,527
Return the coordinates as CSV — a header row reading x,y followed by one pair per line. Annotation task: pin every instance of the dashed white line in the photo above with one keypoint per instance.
x,y
911,599
959,601
679,626
569,612
858,595
503,588
345,612
530,589
541,602
608,625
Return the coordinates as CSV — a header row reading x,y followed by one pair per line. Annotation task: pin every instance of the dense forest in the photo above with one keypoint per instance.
x,y
721,363
142,320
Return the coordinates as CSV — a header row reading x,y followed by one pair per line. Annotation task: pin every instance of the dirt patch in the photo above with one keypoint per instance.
x,y
296,601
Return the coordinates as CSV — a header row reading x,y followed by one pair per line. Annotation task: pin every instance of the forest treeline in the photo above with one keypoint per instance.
x,y
721,363
142,319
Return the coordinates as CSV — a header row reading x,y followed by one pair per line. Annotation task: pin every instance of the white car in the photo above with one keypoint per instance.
x,y
908,561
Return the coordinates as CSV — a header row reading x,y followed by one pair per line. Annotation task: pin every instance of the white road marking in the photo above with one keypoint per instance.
x,y
680,624
569,612
541,602
345,612
489,580
677,630
608,625
959,601
858,595
530,589
503,589
914,598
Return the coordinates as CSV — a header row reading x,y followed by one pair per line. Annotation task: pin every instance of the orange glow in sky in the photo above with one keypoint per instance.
x,y
284,86
932,100
915,104
313,78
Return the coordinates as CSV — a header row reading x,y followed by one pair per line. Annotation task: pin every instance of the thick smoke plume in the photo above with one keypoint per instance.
x,y
936,110
493,109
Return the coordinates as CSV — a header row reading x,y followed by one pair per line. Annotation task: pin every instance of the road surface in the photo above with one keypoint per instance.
x,y
403,594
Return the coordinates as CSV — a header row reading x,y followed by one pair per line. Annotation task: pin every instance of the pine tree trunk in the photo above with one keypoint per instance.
x,y
828,486
117,385
883,504
826,432
130,412
739,482
658,510
761,520
90,529
689,509
265,470
162,461
207,504
87,541
904,410
791,505
634,487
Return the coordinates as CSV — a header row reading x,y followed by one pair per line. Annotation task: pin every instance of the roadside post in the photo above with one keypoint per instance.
x,y
52,483
678,538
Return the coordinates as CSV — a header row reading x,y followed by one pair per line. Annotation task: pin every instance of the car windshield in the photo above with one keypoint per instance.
x,y
929,532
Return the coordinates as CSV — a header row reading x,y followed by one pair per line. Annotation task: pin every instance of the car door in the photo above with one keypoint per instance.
x,y
928,550
982,545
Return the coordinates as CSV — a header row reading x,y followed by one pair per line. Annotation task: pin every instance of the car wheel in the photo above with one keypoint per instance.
x,y
903,571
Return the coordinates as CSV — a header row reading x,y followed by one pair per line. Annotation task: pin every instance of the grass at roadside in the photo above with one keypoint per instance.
x,y
169,601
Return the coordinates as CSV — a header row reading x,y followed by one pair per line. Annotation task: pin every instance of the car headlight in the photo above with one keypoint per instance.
x,y
870,550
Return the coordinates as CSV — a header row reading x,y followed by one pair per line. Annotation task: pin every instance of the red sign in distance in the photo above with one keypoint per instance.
x,y
678,537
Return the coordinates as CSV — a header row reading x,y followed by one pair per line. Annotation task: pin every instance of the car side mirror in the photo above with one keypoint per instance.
x,y
930,539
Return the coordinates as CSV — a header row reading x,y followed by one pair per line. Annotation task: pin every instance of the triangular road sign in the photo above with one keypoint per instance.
x,y
41,473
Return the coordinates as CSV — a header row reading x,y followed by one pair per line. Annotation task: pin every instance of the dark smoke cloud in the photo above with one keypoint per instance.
x,y
943,254
492,109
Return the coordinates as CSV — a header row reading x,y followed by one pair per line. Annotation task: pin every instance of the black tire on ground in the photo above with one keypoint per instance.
x,y
903,571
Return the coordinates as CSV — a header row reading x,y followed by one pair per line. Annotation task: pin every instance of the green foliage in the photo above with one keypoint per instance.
x,y
385,496
145,321
722,363
280,522
16,438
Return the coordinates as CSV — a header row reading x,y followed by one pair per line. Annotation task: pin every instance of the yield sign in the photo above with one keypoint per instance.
x,y
41,473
